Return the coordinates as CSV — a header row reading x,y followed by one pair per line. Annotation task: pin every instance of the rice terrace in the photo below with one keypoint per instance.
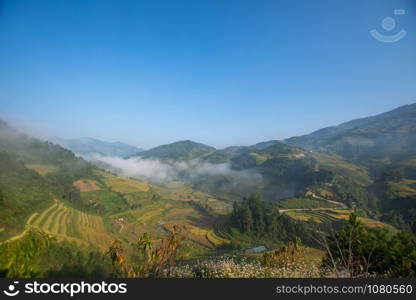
x,y
208,139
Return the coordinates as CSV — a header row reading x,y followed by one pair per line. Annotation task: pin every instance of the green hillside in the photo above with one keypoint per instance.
x,y
373,142
279,171
178,151
22,192
45,187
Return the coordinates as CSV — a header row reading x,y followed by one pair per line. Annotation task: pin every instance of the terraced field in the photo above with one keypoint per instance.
x,y
122,184
334,215
404,188
205,237
66,223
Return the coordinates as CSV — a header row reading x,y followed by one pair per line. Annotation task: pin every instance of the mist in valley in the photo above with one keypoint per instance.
x,y
215,178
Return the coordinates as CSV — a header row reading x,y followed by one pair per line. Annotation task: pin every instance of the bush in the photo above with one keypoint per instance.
x,y
367,253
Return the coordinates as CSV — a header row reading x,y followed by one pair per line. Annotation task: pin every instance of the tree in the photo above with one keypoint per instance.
x,y
246,219
362,253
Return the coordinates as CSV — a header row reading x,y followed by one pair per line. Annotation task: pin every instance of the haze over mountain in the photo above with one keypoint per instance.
x,y
178,151
340,161
90,147
380,139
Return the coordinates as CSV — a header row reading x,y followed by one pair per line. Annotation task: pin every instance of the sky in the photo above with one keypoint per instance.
x,y
226,72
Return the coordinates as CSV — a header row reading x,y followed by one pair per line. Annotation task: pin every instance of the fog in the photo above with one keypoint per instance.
x,y
165,171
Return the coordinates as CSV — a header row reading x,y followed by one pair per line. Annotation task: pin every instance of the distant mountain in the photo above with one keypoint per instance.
x,y
178,151
226,154
277,171
372,141
89,147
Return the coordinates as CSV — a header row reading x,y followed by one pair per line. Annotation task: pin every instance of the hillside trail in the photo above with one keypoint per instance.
x,y
343,205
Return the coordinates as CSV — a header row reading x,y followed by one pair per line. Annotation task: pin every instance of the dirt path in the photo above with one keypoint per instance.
x,y
343,205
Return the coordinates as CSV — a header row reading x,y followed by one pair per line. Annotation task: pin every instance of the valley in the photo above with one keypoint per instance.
x,y
222,201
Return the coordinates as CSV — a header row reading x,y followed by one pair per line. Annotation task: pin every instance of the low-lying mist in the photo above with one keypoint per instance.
x,y
210,176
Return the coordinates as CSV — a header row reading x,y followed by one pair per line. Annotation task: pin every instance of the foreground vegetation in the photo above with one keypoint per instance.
x,y
351,251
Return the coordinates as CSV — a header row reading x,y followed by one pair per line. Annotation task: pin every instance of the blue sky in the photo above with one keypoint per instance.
x,y
217,72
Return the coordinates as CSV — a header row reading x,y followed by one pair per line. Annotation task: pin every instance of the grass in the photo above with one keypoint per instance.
x,y
41,169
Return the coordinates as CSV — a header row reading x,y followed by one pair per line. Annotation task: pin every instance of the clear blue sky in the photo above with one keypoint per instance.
x,y
217,72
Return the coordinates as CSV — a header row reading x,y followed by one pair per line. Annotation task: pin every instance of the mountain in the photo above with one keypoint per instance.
x,y
226,154
46,191
46,186
178,151
88,147
374,141
278,171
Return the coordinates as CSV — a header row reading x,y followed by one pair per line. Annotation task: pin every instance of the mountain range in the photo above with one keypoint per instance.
x,y
342,162
374,141
367,166
90,147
